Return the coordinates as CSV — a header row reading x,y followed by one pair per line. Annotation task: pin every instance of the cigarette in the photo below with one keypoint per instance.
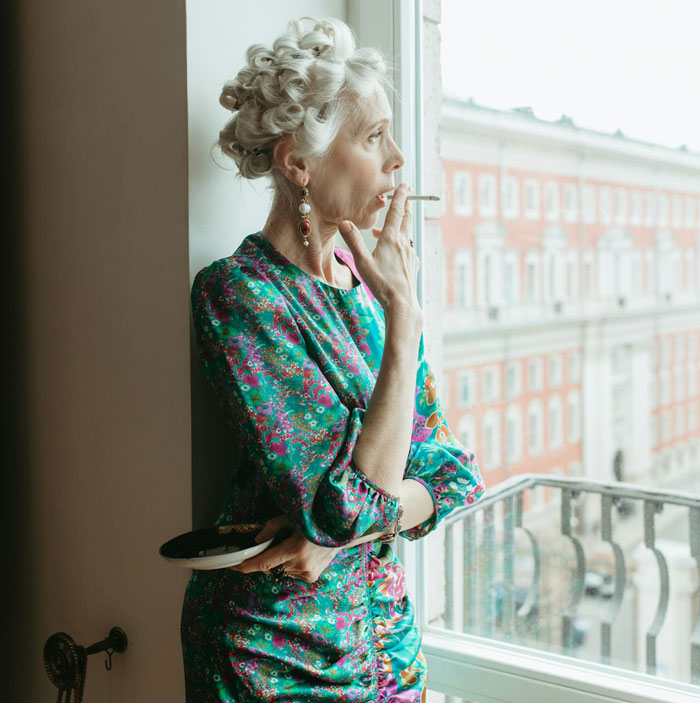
x,y
418,197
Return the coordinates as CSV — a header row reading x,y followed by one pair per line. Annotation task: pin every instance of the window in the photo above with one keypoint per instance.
x,y
554,371
676,211
680,421
662,209
689,212
463,194
509,198
621,206
492,439
464,280
636,208
487,195
513,379
665,385
511,278
679,393
551,201
465,430
534,427
555,422
589,204
532,281
574,367
514,432
604,204
665,426
532,199
573,416
570,202
492,384
534,375
649,209
692,418
692,373
467,390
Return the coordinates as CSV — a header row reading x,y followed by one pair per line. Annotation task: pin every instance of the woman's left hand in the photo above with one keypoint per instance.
x,y
301,558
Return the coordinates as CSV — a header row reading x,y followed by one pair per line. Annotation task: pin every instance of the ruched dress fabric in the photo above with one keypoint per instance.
x,y
294,362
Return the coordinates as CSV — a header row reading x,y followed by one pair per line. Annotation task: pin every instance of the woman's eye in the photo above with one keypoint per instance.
x,y
376,135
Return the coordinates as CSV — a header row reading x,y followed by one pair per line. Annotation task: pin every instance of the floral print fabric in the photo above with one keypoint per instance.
x,y
294,362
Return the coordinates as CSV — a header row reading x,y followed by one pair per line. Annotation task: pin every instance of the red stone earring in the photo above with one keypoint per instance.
x,y
305,222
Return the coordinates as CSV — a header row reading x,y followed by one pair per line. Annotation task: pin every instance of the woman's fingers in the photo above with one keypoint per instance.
x,y
271,528
353,238
397,209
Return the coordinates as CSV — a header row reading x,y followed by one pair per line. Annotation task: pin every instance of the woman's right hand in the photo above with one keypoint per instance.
x,y
391,270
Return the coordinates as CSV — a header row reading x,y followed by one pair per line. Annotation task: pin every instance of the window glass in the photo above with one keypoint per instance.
x,y
567,313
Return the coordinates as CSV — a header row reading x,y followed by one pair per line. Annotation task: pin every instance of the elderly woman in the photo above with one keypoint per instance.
x,y
316,355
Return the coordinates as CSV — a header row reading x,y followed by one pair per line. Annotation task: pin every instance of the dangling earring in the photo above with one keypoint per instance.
x,y
305,222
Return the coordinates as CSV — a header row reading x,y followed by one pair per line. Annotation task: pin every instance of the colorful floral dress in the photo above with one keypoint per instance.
x,y
294,361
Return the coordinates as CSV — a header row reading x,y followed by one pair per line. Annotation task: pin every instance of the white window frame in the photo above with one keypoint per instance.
x,y
551,201
491,381
462,188
531,210
517,367
589,204
470,402
635,208
510,202
620,206
536,386
514,439
555,373
464,285
464,665
605,205
555,422
487,196
571,202
511,264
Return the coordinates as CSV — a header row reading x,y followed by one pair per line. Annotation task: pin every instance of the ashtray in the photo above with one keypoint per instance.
x,y
214,547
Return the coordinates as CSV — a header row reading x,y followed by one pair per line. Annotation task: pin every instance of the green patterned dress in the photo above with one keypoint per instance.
x,y
294,361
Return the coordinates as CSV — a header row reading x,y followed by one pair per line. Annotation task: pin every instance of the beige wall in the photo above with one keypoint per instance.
x,y
106,275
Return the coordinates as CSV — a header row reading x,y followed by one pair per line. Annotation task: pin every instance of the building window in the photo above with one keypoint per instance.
x,y
555,422
650,272
570,202
692,418
513,379
666,351
511,278
573,416
551,201
621,206
534,427
554,371
589,204
574,367
692,373
680,421
532,282
532,199
676,211
679,393
649,209
636,208
509,197
463,203
662,209
464,280
604,205
665,426
665,387
534,375
492,439
514,434
492,384
571,277
465,431
487,195
467,390
689,212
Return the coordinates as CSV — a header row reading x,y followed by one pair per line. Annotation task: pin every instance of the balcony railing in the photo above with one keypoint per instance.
x,y
538,574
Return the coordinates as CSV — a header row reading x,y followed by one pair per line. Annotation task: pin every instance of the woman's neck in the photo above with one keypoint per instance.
x,y
318,258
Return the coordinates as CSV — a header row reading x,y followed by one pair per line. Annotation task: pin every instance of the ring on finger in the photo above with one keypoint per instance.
x,y
278,571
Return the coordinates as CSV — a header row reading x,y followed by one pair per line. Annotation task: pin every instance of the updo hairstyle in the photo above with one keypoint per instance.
x,y
306,85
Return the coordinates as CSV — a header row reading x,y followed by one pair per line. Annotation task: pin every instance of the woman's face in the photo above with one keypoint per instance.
x,y
359,167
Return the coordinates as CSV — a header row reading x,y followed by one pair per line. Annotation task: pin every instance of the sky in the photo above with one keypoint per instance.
x,y
607,64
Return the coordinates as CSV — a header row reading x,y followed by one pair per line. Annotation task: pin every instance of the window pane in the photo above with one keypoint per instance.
x,y
569,336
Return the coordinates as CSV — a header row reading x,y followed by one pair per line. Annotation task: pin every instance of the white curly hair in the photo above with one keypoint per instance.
x,y
305,86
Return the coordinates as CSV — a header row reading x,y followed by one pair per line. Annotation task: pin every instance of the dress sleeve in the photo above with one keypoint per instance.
x,y
297,432
436,458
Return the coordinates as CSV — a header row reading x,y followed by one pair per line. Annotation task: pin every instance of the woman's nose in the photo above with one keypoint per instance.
x,y
396,159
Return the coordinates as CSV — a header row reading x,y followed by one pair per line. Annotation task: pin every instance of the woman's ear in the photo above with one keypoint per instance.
x,y
293,167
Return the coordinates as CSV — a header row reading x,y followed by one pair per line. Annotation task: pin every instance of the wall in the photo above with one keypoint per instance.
x,y
104,283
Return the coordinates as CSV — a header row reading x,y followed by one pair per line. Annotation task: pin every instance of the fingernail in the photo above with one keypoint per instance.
x,y
345,227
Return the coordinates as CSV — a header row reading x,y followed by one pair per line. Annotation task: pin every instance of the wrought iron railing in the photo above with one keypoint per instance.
x,y
481,593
